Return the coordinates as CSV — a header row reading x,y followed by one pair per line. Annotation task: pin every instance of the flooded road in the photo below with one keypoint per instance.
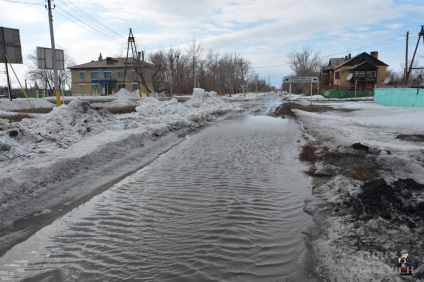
x,y
223,205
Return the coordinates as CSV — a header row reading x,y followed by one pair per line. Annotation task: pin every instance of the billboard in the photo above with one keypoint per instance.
x,y
10,42
45,58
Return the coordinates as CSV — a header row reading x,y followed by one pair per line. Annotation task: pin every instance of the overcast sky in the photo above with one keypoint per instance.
x,y
263,32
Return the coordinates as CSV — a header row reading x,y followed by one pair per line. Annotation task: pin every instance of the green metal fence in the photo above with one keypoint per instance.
x,y
404,97
341,94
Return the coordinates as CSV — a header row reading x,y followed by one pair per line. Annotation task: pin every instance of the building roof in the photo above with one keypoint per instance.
x,y
336,63
110,62
364,56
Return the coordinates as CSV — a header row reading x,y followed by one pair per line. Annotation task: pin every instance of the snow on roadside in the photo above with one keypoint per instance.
x,y
368,123
57,130
22,104
124,94
201,106
66,125
349,242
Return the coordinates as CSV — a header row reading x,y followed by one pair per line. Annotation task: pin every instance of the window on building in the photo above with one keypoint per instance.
x,y
359,74
337,75
371,73
82,74
134,86
120,74
133,73
94,75
108,74
120,85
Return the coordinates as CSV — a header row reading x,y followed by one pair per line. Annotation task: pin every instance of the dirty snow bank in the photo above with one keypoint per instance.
x,y
360,227
53,161
202,106
22,104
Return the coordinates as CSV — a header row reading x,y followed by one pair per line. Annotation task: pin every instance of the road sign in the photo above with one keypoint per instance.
x,y
45,58
10,42
301,79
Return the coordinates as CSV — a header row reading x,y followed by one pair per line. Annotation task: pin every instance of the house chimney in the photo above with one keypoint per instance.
x,y
100,58
350,56
374,54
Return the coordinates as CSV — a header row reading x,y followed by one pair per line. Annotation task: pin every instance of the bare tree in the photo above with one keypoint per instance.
x,y
158,76
414,78
44,78
395,77
223,73
195,50
305,62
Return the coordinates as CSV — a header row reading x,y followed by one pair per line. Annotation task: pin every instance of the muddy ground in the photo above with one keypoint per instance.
x,y
361,220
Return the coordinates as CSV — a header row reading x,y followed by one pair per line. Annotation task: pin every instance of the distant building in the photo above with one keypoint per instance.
x,y
366,70
106,76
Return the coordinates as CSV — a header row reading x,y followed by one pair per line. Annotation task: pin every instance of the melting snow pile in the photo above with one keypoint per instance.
x,y
202,106
21,104
66,125
124,94
62,127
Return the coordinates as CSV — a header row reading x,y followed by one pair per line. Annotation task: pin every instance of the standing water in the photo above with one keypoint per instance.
x,y
223,205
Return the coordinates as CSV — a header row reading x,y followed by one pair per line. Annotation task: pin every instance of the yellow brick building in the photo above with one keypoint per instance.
x,y
106,76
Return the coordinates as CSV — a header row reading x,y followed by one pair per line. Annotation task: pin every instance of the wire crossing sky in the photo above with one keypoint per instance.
x,y
263,32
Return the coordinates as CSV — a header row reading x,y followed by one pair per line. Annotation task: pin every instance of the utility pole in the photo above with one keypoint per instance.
x,y
420,34
54,57
406,56
194,72
137,64
269,86
9,90
242,78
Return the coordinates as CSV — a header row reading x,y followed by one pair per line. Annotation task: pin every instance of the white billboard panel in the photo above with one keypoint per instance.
x,y
45,58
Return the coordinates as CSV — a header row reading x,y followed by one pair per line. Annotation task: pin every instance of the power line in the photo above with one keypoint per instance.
x,y
385,41
87,27
89,18
79,18
388,40
260,39
91,28
23,2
